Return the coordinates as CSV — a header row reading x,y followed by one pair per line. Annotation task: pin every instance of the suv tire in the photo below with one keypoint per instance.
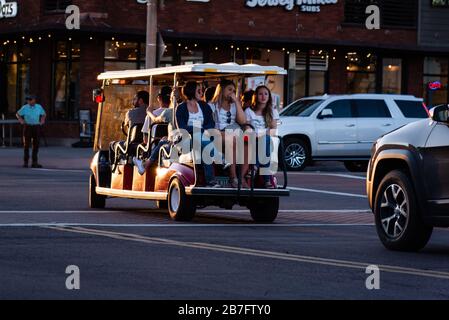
x,y
397,215
296,154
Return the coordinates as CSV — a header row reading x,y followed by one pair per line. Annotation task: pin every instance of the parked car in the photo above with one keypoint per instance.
x,y
408,182
343,127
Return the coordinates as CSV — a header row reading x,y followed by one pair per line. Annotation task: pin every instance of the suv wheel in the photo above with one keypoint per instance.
x,y
356,166
397,216
296,154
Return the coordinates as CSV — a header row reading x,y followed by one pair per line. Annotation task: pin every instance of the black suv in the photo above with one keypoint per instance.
x,y
408,182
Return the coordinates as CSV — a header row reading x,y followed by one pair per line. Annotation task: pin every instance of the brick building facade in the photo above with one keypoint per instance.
x,y
330,51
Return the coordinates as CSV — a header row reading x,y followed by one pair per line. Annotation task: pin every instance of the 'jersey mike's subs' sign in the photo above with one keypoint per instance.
x,y
304,5
8,9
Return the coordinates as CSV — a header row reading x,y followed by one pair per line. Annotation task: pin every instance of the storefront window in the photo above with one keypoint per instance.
x,y
66,86
123,55
191,55
436,69
16,72
392,76
319,65
361,72
168,56
308,73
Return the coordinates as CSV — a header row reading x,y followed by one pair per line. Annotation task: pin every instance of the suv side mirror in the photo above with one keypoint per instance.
x,y
98,95
440,113
326,113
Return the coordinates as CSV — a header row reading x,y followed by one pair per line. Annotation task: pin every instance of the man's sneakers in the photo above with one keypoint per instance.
x,y
140,165
25,165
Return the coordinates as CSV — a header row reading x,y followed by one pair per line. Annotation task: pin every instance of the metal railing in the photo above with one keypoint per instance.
x,y
4,123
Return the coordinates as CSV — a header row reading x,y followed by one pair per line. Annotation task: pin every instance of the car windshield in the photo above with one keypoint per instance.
x,y
302,108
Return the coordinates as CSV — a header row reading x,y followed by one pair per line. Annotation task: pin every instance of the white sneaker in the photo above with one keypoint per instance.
x,y
140,166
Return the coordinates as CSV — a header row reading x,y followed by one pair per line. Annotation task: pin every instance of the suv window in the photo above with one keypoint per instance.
x,y
366,108
341,109
301,108
412,109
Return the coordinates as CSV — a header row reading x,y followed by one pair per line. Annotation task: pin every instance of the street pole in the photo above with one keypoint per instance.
x,y
151,47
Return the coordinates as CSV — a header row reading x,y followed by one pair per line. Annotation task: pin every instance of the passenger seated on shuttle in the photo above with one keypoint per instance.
x,y
165,117
163,100
196,113
134,116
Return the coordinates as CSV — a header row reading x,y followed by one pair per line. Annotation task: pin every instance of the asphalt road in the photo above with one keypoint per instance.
x,y
318,248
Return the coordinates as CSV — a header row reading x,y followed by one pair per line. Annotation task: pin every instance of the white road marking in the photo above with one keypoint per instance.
x,y
257,253
58,211
340,175
179,225
61,170
329,192
160,210
292,211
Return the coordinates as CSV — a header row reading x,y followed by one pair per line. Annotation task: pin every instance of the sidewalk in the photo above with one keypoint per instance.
x,y
50,157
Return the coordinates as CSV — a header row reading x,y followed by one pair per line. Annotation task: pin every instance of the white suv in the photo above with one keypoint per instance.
x,y
342,127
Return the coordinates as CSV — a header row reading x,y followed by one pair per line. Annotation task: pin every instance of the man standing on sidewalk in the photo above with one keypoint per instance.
x,y
32,117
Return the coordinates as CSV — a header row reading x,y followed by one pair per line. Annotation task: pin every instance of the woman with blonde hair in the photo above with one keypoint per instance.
x,y
228,114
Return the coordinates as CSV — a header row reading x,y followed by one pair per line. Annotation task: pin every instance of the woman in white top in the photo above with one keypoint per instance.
x,y
228,114
263,117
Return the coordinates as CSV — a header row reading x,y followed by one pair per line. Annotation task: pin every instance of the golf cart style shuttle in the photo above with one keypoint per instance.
x,y
175,185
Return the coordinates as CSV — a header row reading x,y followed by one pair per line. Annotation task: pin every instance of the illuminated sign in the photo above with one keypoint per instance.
x,y
304,5
8,9
435,85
